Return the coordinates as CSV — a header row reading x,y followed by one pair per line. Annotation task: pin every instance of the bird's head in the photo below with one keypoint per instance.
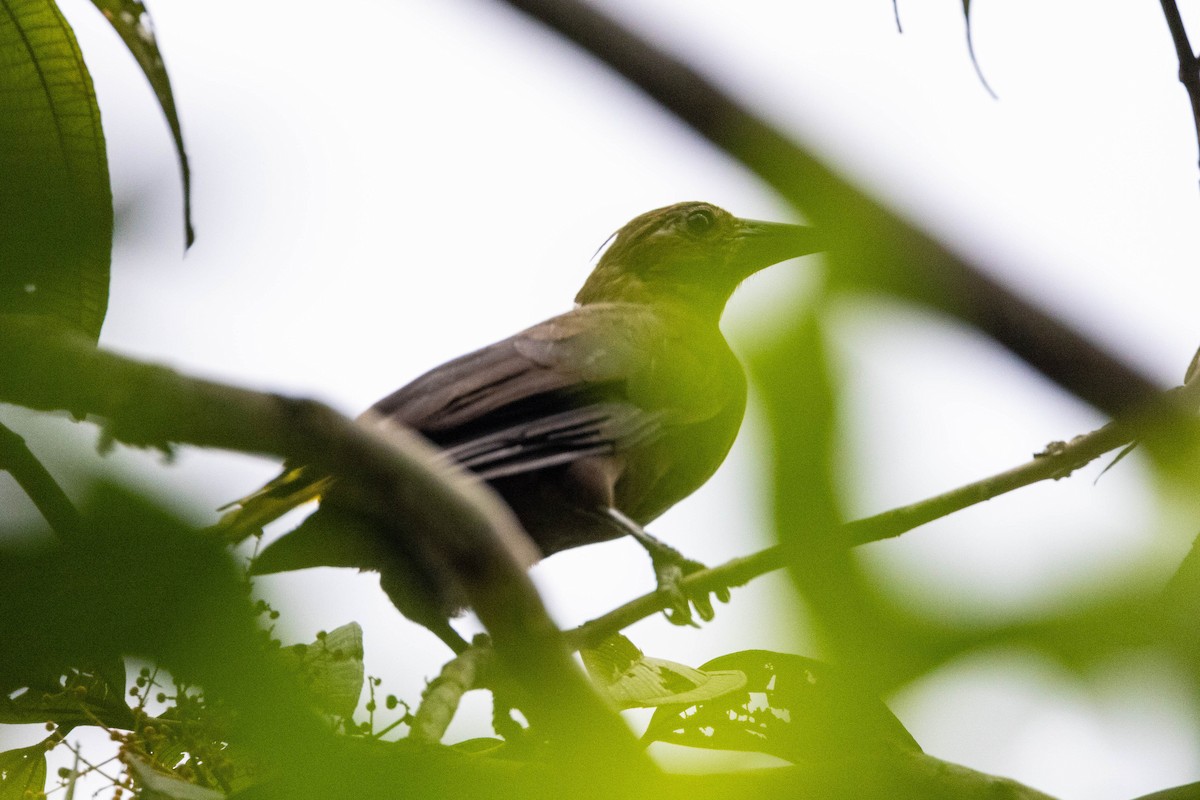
x,y
693,253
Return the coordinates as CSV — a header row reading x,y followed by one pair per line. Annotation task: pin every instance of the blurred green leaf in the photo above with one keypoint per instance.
x,y
1189,791
792,707
633,680
132,23
793,377
331,668
23,773
56,212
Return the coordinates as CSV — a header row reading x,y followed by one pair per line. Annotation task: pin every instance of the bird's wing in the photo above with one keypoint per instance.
x,y
568,388
596,380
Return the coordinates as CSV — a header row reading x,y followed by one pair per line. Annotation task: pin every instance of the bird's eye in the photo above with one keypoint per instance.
x,y
700,222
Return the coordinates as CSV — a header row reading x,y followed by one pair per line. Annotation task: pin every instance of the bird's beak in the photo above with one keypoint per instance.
x,y
767,243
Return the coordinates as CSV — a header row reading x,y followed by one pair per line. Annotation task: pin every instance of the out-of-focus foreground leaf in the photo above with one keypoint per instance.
x,y
56,214
794,379
132,23
23,773
792,707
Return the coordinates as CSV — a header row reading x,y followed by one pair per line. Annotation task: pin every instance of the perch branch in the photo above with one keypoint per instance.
x,y
1058,460
463,526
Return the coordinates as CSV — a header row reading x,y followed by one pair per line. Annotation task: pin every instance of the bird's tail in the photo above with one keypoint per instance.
x,y
293,488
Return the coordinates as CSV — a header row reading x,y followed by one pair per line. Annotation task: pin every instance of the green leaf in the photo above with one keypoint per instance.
x,y
156,785
792,707
633,680
332,669
56,212
132,23
23,772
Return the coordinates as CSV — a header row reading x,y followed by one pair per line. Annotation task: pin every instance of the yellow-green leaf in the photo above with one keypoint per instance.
x,y
23,773
55,200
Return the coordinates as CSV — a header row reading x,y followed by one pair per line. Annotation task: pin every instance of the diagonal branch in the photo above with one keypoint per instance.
x,y
1189,64
37,482
447,522
873,247
1058,460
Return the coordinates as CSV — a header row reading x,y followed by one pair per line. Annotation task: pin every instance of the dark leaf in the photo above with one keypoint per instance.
x,y
56,212
79,697
132,23
792,707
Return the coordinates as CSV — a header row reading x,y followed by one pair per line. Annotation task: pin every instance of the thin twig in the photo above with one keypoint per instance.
x,y
1058,460
37,482
1189,64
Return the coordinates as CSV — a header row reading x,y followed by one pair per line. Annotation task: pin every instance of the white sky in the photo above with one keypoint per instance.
x,y
386,185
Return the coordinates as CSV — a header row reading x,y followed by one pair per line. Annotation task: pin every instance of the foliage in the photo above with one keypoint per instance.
x,y
223,709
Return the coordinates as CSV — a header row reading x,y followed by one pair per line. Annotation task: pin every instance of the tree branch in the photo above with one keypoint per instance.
x,y
441,697
872,246
1189,64
39,484
1058,460
447,521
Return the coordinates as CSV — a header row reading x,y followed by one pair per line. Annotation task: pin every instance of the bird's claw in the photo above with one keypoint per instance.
x,y
670,568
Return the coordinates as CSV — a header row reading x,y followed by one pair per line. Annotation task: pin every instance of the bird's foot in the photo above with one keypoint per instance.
x,y
670,569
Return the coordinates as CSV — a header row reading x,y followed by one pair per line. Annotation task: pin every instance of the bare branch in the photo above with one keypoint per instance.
x,y
1058,460
1189,64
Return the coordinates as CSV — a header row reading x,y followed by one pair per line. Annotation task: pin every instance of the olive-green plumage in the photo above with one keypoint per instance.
x,y
628,402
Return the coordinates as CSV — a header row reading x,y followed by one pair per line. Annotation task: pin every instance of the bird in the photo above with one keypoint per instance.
x,y
589,425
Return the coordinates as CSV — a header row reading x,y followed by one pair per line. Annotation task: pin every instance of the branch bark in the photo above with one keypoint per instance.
x,y
1057,460
873,247
1189,64
457,523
